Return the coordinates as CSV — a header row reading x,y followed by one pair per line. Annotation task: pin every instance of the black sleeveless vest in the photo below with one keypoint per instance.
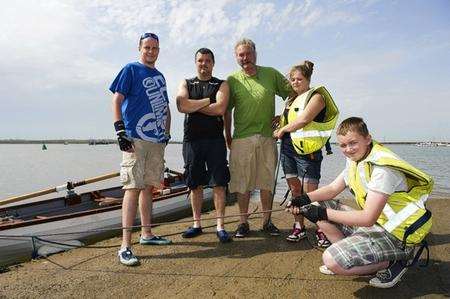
x,y
198,125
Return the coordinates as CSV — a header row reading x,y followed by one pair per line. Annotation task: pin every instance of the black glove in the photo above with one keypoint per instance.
x,y
299,201
314,213
125,142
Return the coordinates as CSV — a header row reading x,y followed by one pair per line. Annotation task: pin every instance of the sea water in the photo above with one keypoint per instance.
x,y
26,168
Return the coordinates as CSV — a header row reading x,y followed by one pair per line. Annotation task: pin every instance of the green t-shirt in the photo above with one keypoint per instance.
x,y
253,100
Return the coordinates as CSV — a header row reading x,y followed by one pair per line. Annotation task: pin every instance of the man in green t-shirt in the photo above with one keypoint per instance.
x,y
253,152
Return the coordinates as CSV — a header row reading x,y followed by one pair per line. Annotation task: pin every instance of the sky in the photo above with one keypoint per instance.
x,y
386,61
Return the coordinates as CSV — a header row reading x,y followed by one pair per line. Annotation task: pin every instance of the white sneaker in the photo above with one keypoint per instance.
x,y
324,270
127,257
297,234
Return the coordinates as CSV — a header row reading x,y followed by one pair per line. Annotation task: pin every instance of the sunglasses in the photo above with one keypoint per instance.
x,y
149,34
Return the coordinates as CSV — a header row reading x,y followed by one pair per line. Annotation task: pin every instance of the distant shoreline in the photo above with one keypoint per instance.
x,y
64,141
114,141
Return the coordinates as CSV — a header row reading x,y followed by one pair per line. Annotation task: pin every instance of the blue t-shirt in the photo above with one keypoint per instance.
x,y
144,109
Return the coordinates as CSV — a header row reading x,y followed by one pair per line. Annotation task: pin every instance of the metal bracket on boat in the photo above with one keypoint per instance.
x,y
72,198
63,187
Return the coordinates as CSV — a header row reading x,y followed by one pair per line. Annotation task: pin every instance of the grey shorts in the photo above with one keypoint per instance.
x,y
364,245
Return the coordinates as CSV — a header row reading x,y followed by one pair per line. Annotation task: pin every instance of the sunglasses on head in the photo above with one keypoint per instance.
x,y
149,34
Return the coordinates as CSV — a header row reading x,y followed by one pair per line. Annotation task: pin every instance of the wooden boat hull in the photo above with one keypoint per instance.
x,y
84,225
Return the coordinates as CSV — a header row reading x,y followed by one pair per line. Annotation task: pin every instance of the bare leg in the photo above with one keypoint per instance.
x,y
219,203
145,210
196,203
331,264
296,189
266,202
331,231
243,201
129,207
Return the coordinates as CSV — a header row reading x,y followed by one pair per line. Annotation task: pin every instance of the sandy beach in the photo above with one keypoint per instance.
x,y
257,267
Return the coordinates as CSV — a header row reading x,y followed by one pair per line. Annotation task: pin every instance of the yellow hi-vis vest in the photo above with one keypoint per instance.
x,y
402,209
314,135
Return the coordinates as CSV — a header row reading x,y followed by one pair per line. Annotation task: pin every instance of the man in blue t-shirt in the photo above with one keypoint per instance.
x,y
142,122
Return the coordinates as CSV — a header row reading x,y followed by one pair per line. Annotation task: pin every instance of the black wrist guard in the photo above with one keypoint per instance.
x,y
125,142
119,126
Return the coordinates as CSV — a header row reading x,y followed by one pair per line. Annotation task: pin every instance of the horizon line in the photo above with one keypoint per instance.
x,y
99,141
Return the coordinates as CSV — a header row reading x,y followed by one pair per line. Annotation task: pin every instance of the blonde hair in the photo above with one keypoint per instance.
x,y
353,124
245,42
305,68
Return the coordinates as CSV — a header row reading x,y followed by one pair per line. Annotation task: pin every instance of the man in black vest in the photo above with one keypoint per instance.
x,y
204,100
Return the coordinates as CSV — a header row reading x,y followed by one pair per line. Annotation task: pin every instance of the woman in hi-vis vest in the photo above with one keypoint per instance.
x,y
304,128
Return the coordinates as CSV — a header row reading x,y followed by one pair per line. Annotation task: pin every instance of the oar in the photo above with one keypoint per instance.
x,y
173,172
67,186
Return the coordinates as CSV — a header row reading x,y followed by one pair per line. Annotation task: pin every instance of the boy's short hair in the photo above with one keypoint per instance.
x,y
353,124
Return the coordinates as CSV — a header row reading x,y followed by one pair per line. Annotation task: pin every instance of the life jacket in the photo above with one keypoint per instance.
x,y
404,214
314,135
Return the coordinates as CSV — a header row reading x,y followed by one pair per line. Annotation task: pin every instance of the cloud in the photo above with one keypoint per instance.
x,y
49,44
64,54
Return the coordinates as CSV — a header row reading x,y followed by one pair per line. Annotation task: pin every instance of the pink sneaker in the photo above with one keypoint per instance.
x,y
297,234
322,240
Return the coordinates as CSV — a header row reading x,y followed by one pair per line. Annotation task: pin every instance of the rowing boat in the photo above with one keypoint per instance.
x,y
40,228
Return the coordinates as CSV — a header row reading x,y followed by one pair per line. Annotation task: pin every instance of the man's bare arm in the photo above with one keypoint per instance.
x,y
220,106
186,105
227,119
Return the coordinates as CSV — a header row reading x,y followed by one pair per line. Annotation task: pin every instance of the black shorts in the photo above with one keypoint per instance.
x,y
205,163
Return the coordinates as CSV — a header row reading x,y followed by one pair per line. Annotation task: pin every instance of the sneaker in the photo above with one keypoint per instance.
x,y
223,236
322,240
192,232
271,229
324,270
297,234
155,240
242,230
389,277
127,257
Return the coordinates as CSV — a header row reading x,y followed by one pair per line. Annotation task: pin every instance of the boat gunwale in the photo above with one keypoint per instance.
x,y
8,226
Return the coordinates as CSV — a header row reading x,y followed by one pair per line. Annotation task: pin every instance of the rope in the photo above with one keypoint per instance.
x,y
134,226
35,238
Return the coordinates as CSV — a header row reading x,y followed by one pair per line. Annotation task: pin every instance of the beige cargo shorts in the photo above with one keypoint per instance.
x,y
144,167
252,163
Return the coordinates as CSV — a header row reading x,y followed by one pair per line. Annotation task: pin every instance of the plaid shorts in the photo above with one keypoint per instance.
x,y
364,245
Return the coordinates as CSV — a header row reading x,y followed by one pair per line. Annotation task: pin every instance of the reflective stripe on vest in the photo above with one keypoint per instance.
x,y
311,133
395,219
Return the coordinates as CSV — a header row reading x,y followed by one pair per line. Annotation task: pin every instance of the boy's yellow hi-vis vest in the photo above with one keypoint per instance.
x,y
403,209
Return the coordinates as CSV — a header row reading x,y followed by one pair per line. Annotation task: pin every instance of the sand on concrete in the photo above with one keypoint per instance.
x,y
255,267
